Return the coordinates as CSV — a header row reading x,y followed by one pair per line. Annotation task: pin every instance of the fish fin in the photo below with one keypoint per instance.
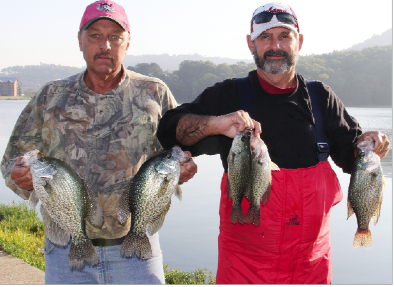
x,y
253,215
33,199
136,244
229,192
157,222
95,213
123,207
53,231
237,215
81,254
350,210
178,192
363,238
248,192
266,195
273,166
383,182
376,214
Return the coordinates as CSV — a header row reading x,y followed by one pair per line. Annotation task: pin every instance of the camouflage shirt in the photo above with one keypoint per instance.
x,y
104,138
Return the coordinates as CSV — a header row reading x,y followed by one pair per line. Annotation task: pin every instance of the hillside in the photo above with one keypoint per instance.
x,y
359,77
386,38
168,62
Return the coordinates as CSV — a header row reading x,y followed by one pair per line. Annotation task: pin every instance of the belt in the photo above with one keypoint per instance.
x,y
107,242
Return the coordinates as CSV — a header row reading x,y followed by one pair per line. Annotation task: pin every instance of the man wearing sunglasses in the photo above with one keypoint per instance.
x,y
291,244
102,122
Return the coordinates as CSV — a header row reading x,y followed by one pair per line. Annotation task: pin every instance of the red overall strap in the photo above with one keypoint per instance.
x,y
292,243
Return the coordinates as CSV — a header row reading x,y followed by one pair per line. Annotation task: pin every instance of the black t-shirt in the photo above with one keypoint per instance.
x,y
287,124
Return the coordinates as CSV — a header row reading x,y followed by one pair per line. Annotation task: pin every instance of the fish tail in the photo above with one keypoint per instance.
x,y
253,215
136,244
81,254
363,238
237,215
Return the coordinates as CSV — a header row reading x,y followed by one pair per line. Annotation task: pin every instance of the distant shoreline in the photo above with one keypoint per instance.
x,y
28,99
6,98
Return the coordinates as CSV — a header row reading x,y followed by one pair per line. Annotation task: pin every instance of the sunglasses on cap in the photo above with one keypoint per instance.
x,y
265,17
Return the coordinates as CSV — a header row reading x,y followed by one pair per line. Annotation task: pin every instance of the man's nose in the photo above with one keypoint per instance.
x,y
275,44
105,44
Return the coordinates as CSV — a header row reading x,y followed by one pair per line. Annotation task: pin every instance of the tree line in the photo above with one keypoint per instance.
x,y
358,77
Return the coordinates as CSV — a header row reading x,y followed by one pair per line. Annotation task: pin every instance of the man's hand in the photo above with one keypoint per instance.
x,y
188,169
382,144
238,121
21,175
193,128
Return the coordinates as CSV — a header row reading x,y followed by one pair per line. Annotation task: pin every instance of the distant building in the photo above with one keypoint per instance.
x,y
10,87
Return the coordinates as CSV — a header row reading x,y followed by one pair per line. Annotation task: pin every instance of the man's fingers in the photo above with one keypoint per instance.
x,y
382,144
188,169
21,175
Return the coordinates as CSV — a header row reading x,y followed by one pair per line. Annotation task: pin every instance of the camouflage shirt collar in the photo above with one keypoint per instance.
x,y
80,84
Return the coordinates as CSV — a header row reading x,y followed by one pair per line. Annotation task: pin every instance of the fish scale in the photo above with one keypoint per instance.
x,y
148,200
365,193
239,172
65,206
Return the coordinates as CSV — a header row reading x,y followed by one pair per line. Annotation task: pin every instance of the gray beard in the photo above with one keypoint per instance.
x,y
275,66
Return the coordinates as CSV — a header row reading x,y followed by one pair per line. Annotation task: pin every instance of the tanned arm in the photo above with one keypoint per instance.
x,y
193,128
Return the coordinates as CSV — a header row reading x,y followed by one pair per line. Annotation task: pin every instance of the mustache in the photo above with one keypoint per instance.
x,y
103,54
275,53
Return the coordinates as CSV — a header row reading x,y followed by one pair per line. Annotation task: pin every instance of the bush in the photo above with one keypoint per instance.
x,y
199,276
22,234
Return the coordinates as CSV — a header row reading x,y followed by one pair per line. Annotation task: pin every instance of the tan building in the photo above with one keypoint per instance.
x,y
10,87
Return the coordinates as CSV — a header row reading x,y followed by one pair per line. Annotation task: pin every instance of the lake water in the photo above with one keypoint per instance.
x,y
189,235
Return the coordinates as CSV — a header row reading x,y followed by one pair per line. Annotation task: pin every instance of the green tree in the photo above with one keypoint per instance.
x,y
151,70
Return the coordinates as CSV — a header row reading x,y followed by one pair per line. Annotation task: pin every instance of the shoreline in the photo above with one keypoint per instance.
x,y
6,98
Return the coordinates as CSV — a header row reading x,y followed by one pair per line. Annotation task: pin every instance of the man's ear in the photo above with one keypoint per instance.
x,y
250,43
300,41
80,40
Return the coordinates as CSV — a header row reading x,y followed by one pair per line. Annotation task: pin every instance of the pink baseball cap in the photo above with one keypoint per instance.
x,y
104,9
273,15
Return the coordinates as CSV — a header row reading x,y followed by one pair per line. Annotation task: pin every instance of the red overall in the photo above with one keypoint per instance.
x,y
292,243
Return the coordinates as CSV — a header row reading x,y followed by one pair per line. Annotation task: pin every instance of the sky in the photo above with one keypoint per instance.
x,y
45,31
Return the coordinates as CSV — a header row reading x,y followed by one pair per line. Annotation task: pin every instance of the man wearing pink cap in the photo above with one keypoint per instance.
x,y
302,123
102,122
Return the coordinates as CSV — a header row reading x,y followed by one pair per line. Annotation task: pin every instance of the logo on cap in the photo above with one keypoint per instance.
x,y
106,7
274,10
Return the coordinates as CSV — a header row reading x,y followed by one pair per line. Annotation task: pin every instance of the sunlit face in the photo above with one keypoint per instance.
x,y
104,45
276,50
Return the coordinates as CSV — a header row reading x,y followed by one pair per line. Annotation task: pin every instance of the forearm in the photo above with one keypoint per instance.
x,y
193,128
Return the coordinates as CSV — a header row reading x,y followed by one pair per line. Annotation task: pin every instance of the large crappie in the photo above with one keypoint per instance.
x,y
65,203
260,180
239,173
149,200
365,194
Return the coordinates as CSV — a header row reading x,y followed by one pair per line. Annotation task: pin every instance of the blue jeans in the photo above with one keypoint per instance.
x,y
112,269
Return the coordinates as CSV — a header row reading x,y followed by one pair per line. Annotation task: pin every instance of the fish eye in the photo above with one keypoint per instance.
x,y
362,154
169,156
243,138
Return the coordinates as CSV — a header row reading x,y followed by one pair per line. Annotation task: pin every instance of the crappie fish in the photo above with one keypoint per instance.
x,y
365,194
239,173
65,203
149,200
260,180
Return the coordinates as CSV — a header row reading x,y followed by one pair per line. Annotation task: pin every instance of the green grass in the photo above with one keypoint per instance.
x,y
22,235
199,276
